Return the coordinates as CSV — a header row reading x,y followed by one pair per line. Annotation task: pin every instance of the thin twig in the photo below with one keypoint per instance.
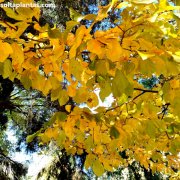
x,y
113,108
138,95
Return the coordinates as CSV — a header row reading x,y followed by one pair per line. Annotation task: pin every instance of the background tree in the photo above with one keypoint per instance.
x,y
68,66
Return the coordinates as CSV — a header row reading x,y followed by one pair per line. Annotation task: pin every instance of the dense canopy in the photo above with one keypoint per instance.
x,y
135,61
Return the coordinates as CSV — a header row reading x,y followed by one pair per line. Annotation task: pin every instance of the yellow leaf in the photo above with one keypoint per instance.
x,y
122,5
175,84
51,133
63,97
92,100
80,33
58,48
114,50
17,56
10,13
23,1
147,45
175,56
66,69
81,95
145,56
105,139
90,16
38,81
70,39
22,26
54,82
69,128
26,12
5,51
69,26
72,89
96,47
107,164
143,1
68,108
113,2
163,5
103,12
99,149
47,87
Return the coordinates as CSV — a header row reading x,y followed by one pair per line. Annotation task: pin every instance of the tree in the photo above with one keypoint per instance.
x,y
9,169
141,45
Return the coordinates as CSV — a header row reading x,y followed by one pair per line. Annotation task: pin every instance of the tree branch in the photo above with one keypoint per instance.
x,y
143,92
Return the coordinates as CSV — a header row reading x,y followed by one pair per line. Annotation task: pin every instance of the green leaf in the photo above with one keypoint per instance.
x,y
61,116
114,132
75,15
128,67
146,67
122,99
166,90
63,99
7,68
61,139
55,94
90,158
76,69
26,82
32,136
98,168
170,129
92,65
151,129
101,67
105,90
54,33
174,147
89,144
120,85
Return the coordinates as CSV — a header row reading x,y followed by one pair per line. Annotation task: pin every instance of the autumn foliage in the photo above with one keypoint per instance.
x,y
69,65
